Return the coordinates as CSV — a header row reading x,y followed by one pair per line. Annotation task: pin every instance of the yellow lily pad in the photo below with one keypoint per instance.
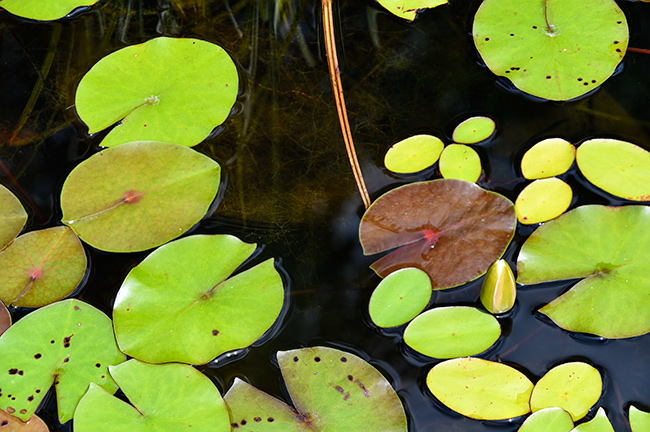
x,y
543,200
413,154
548,158
474,130
461,162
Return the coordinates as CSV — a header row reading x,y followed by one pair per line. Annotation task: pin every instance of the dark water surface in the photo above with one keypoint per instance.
x,y
289,185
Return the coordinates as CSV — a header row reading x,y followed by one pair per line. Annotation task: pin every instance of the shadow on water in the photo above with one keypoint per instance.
x,y
289,183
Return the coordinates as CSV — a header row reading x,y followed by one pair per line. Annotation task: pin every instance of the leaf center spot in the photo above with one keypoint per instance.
x,y
152,100
430,235
36,273
131,197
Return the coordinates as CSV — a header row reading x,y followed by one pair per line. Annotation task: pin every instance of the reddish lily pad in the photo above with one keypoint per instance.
x,y
331,390
69,343
9,423
452,229
138,195
5,318
41,267
12,217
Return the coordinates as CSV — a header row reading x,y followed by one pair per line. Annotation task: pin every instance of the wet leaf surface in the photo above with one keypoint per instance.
x,y
43,10
138,195
331,390
499,290
474,130
600,423
452,229
574,387
142,88
170,397
454,331
548,158
480,389
69,343
548,420
543,200
617,167
9,423
613,299
552,49
400,297
413,154
461,162
408,9
180,305
12,216
41,267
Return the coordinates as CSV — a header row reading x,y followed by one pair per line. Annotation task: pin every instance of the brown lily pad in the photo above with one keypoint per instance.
x,y
9,423
452,229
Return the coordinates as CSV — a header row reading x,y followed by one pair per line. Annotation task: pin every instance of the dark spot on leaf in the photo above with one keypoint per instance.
x,y
619,22
512,34
51,341
487,39
295,359
235,425
38,390
66,341
4,423
615,42
13,371
339,389
243,422
344,359
507,71
103,376
23,411
257,419
350,378
585,83
548,77
37,356
30,398
579,79
317,359
215,332
593,81
618,50
11,410
98,365
534,27
270,419
366,393
346,397
67,359
76,308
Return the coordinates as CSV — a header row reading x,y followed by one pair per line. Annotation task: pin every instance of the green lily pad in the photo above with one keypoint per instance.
x,y
413,154
12,216
617,167
600,423
480,389
331,390
455,331
452,229
474,130
5,318
551,49
408,9
400,297
143,88
639,420
498,291
548,420
614,298
9,423
543,200
170,397
139,195
178,305
574,387
43,10
459,161
41,267
548,158
69,343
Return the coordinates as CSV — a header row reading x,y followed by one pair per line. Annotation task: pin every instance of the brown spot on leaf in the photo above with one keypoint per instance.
x,y
344,359
37,356
13,371
215,332
257,419
243,422
66,341
23,411
350,378
30,398
11,410
270,419
317,359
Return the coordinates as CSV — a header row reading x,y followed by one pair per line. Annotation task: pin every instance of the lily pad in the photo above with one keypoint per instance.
x,y
574,387
143,88
455,331
548,158
617,167
498,291
400,297
408,9
170,397
474,130
69,343
543,200
459,161
139,195
43,10
41,267
480,389
413,154
452,229
600,423
639,420
552,49
178,305
548,420
614,298
9,423
5,318
331,390
12,216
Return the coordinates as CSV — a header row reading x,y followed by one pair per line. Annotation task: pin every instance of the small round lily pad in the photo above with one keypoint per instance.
x,y
480,389
548,420
543,200
548,158
399,297
474,130
461,162
413,154
574,387
143,89
138,195
408,9
617,167
499,290
12,217
454,331
44,10
41,267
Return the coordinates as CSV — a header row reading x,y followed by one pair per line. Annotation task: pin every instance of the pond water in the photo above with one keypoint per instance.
x,y
289,186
